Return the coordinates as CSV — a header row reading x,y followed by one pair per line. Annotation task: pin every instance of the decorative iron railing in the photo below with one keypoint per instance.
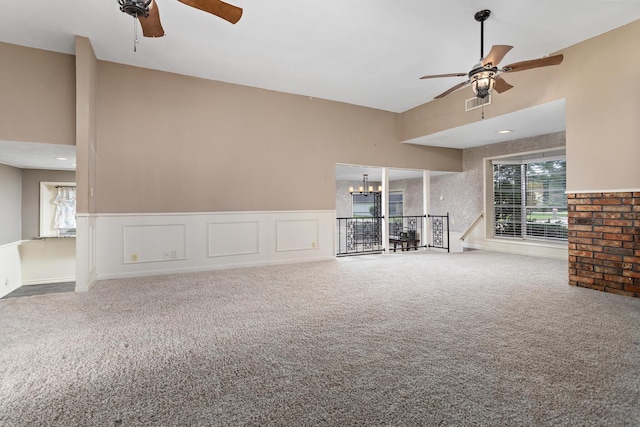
x,y
359,235
406,232
364,235
439,231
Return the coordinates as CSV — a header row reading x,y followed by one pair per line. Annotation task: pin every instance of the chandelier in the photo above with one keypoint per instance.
x,y
365,189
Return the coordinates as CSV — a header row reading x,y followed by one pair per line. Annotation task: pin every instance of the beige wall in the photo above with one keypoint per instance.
x,y
86,124
598,79
10,204
37,101
170,143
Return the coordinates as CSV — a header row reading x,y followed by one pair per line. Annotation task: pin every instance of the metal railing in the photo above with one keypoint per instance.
x,y
359,235
439,231
364,235
407,231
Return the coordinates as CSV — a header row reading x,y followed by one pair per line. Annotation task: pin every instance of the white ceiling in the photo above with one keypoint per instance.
x,y
363,52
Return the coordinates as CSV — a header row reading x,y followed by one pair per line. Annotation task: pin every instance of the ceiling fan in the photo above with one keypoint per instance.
x,y
146,11
485,75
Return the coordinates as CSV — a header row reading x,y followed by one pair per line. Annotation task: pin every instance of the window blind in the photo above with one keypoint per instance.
x,y
530,200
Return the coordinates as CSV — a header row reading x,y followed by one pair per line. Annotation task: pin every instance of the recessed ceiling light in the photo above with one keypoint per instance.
x,y
61,158
505,131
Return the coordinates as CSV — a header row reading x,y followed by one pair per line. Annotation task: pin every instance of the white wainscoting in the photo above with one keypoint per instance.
x,y
48,260
130,245
86,235
10,268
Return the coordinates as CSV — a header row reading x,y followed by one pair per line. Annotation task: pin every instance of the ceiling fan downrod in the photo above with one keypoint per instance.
x,y
482,16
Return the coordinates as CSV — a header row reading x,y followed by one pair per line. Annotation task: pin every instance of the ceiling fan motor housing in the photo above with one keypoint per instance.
x,y
135,8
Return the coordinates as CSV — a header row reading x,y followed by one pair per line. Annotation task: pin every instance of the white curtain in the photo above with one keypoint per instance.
x,y
65,203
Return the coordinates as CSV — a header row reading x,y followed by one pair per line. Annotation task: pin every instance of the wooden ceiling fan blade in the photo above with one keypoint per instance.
x,y
495,55
502,85
151,26
219,8
435,76
456,87
533,63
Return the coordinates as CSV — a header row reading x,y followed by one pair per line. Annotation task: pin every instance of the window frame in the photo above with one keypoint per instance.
x,y
549,234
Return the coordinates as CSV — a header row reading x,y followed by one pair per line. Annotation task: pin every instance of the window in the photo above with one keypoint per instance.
x,y
529,199
365,206
395,203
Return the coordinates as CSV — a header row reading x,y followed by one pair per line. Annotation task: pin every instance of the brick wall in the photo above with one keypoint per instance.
x,y
604,242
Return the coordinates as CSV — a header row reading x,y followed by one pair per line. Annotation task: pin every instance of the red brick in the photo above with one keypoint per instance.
x,y
587,195
608,270
619,292
589,234
617,208
610,243
632,288
583,214
583,240
572,271
631,245
588,208
579,202
584,267
629,274
591,248
608,257
617,279
607,284
618,222
607,201
619,194
584,254
581,279
572,258
632,260
590,274
608,215
616,236
605,229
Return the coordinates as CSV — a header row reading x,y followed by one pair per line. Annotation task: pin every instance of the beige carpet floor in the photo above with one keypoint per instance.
x,y
421,338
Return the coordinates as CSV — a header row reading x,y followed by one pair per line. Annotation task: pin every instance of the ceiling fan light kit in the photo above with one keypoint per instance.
x,y
485,76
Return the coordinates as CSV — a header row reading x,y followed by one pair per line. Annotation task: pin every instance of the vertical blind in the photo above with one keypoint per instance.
x,y
529,199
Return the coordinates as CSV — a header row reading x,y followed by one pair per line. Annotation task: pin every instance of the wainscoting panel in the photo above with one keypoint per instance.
x,y
296,235
130,245
234,238
153,243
